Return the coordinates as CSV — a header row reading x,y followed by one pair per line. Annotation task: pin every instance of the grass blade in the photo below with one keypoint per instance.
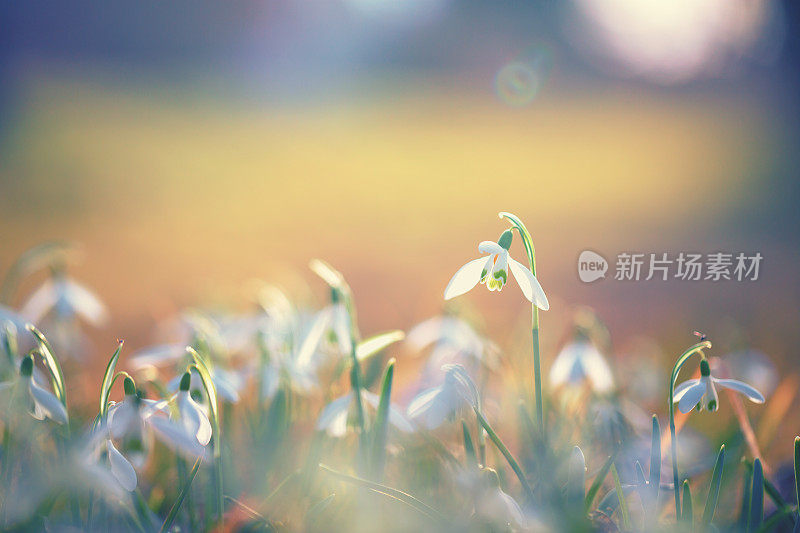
x,y
395,494
576,484
756,515
380,427
469,447
687,509
108,376
713,490
655,470
598,482
512,462
623,504
797,473
176,507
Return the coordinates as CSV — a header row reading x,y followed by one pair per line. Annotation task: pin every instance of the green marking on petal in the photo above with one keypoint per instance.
x,y
501,274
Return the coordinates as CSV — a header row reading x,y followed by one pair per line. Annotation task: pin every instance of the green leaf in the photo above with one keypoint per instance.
x,y
108,376
655,467
797,473
380,427
687,509
469,447
52,364
598,482
623,504
757,498
713,491
369,347
576,477
176,507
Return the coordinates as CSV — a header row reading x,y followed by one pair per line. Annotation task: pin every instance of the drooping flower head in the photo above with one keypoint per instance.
x,y
40,402
702,393
492,271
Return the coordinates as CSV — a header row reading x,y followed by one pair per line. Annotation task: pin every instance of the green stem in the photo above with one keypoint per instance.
x,y
512,462
537,370
696,348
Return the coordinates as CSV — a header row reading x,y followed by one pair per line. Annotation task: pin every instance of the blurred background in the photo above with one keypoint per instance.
x,y
191,147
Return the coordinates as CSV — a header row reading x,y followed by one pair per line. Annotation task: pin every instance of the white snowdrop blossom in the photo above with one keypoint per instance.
x,y
40,402
333,418
227,383
339,320
121,468
191,416
702,392
433,407
65,298
454,341
578,362
296,363
492,271
493,505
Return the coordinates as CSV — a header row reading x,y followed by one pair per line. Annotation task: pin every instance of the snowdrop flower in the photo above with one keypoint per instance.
x,y
433,407
40,402
702,393
297,364
127,422
454,341
578,362
495,506
333,418
158,356
191,415
492,271
65,298
228,383
339,320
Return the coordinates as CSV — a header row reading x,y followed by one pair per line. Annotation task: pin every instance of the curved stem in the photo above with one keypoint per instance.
x,y
537,370
696,348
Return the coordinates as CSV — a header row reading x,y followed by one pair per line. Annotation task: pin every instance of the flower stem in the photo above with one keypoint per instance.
x,y
696,348
537,369
512,462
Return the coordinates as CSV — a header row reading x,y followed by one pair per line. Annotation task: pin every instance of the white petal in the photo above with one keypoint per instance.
x,y
47,404
490,247
681,389
149,408
312,339
529,284
85,303
121,468
226,386
744,388
176,438
691,397
193,419
425,333
562,366
395,417
435,406
122,418
465,278
597,370
40,302
333,418
158,356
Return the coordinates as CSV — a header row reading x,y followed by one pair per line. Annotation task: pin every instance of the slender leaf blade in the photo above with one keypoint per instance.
x,y
713,491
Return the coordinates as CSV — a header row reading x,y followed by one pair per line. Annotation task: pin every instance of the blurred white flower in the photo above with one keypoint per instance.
x,y
493,505
454,341
492,272
191,416
339,320
158,356
333,418
127,422
296,363
65,298
40,402
228,383
702,393
437,405
579,362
